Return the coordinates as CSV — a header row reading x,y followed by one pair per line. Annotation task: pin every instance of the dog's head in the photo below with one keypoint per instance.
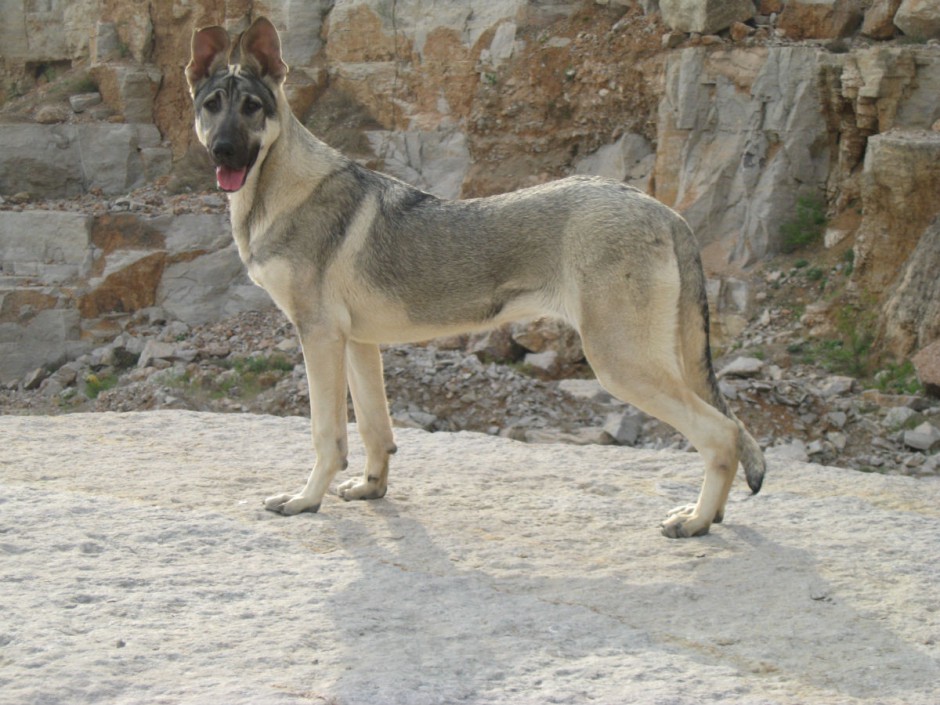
x,y
236,104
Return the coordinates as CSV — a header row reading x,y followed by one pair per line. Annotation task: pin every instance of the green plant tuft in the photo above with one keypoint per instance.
x,y
806,228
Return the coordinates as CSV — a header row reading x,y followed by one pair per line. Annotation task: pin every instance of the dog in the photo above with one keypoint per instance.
x,y
356,258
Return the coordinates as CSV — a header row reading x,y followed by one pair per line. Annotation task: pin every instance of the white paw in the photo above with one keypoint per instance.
x,y
290,504
683,522
361,489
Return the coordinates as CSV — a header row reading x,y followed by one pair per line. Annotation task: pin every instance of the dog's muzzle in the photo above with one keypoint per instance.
x,y
230,175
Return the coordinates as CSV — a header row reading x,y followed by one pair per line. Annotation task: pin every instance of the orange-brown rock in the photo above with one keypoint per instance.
x,y
819,19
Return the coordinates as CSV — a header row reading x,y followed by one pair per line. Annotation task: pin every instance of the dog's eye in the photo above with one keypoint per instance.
x,y
214,104
251,106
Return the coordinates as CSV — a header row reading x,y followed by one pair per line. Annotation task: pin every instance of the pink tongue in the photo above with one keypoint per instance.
x,y
230,179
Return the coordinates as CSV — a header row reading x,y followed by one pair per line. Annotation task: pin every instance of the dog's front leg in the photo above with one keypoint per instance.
x,y
324,361
367,385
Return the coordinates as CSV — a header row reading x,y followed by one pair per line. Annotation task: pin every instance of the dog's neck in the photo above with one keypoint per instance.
x,y
300,161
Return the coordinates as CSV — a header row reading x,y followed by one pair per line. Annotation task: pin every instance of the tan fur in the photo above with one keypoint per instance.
x,y
397,265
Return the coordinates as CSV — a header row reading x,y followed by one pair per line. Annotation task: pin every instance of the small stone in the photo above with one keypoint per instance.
x,y
34,378
51,114
673,39
794,450
589,389
837,418
899,417
82,101
925,437
154,351
816,447
838,439
741,31
50,387
544,362
836,385
927,364
624,427
742,367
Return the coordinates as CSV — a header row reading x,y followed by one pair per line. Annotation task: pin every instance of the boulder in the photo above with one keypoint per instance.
x,y
919,18
129,284
879,19
820,19
704,16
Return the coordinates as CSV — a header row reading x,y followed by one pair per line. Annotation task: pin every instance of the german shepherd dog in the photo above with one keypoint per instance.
x,y
355,258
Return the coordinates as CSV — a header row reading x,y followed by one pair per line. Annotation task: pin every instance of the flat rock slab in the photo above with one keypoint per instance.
x,y
137,565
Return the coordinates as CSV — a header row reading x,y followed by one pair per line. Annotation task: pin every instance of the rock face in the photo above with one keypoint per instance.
x,y
901,168
472,98
61,161
911,316
520,573
741,138
64,273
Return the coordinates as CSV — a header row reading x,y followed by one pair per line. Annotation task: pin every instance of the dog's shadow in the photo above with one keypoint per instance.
x,y
747,605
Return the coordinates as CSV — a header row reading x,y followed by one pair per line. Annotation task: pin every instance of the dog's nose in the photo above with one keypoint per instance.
x,y
223,149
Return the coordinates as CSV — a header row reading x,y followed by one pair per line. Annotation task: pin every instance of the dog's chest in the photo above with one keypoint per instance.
x,y
275,276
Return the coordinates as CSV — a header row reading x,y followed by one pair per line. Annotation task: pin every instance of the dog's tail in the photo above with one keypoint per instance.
x,y
696,349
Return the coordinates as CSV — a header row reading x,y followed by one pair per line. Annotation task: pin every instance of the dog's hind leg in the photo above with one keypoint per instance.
x,y
364,373
645,371
324,361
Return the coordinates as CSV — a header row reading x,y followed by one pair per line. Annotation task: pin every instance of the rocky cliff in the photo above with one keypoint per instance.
x,y
741,115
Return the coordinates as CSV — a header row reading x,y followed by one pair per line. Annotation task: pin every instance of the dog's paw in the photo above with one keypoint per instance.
x,y
361,489
290,504
683,523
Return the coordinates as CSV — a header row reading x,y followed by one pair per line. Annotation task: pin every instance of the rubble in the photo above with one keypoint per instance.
x,y
252,362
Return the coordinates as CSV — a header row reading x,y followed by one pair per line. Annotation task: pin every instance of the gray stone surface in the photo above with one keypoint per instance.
x,y
144,569
705,16
209,288
60,161
48,338
741,138
52,246
435,161
919,18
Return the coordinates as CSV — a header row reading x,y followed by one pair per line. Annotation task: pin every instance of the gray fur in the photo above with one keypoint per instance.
x,y
356,258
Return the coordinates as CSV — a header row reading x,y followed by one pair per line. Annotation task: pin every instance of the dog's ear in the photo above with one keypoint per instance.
x,y
261,50
210,53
